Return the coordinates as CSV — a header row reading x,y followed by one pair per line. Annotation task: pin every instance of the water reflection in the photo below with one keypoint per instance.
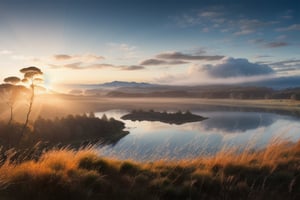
x,y
155,140
232,122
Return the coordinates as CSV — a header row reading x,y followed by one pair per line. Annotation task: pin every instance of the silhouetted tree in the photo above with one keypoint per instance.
x,y
92,115
32,77
11,91
104,117
188,112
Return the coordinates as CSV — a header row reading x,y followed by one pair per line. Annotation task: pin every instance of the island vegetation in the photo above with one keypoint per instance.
x,y
165,117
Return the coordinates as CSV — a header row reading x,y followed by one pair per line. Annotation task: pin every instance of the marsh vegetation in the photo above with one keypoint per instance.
x,y
272,173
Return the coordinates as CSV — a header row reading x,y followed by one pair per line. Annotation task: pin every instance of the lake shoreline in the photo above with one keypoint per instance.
x,y
62,105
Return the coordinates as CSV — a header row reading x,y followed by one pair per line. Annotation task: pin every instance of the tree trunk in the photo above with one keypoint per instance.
x,y
29,110
11,114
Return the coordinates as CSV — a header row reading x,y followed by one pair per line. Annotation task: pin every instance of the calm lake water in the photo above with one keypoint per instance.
x,y
224,129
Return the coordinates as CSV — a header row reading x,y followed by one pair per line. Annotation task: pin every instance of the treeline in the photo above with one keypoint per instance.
x,y
216,93
71,130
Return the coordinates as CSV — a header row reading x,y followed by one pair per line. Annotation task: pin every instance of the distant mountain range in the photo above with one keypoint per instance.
x,y
274,83
274,88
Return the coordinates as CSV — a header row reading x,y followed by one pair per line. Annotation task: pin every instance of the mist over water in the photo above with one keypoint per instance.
x,y
224,129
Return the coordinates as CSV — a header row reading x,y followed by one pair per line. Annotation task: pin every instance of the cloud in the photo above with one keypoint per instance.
x,y
84,57
244,32
81,66
234,67
76,65
287,62
182,56
210,14
286,65
287,14
273,44
76,92
62,57
263,56
205,30
286,69
178,58
162,62
294,27
200,17
127,47
220,19
132,67
126,51
248,26
95,66
226,71
21,57
276,44
281,37
5,52
257,41
187,20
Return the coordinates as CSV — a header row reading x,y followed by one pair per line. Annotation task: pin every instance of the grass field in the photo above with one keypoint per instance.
x,y
273,173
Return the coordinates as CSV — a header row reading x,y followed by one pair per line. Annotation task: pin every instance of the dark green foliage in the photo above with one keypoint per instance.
x,y
129,168
71,130
170,118
100,165
77,128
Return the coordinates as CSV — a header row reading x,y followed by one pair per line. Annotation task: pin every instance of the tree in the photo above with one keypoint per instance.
x,y
33,78
104,117
11,90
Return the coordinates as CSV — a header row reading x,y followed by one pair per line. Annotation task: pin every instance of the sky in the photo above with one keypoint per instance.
x,y
166,42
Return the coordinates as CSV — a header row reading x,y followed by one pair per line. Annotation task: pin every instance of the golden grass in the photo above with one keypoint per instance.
x,y
64,173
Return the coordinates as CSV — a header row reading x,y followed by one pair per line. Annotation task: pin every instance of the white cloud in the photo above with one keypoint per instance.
x,y
227,71
234,67
5,52
210,14
123,50
244,32
294,27
21,57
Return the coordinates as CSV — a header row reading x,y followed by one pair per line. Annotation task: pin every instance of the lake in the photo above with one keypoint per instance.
x,y
224,129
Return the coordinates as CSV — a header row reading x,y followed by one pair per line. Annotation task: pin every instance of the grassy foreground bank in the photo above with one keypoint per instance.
x,y
273,173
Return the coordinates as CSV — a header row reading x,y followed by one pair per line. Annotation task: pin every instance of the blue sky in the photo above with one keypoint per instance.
x,y
169,42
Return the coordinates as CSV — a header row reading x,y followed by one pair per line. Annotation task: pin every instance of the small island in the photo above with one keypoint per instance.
x,y
165,117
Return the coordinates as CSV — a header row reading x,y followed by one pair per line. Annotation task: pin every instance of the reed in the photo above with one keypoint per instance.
x,y
64,173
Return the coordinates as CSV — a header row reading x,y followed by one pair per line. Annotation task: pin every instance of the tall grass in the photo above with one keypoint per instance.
x,y
272,173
